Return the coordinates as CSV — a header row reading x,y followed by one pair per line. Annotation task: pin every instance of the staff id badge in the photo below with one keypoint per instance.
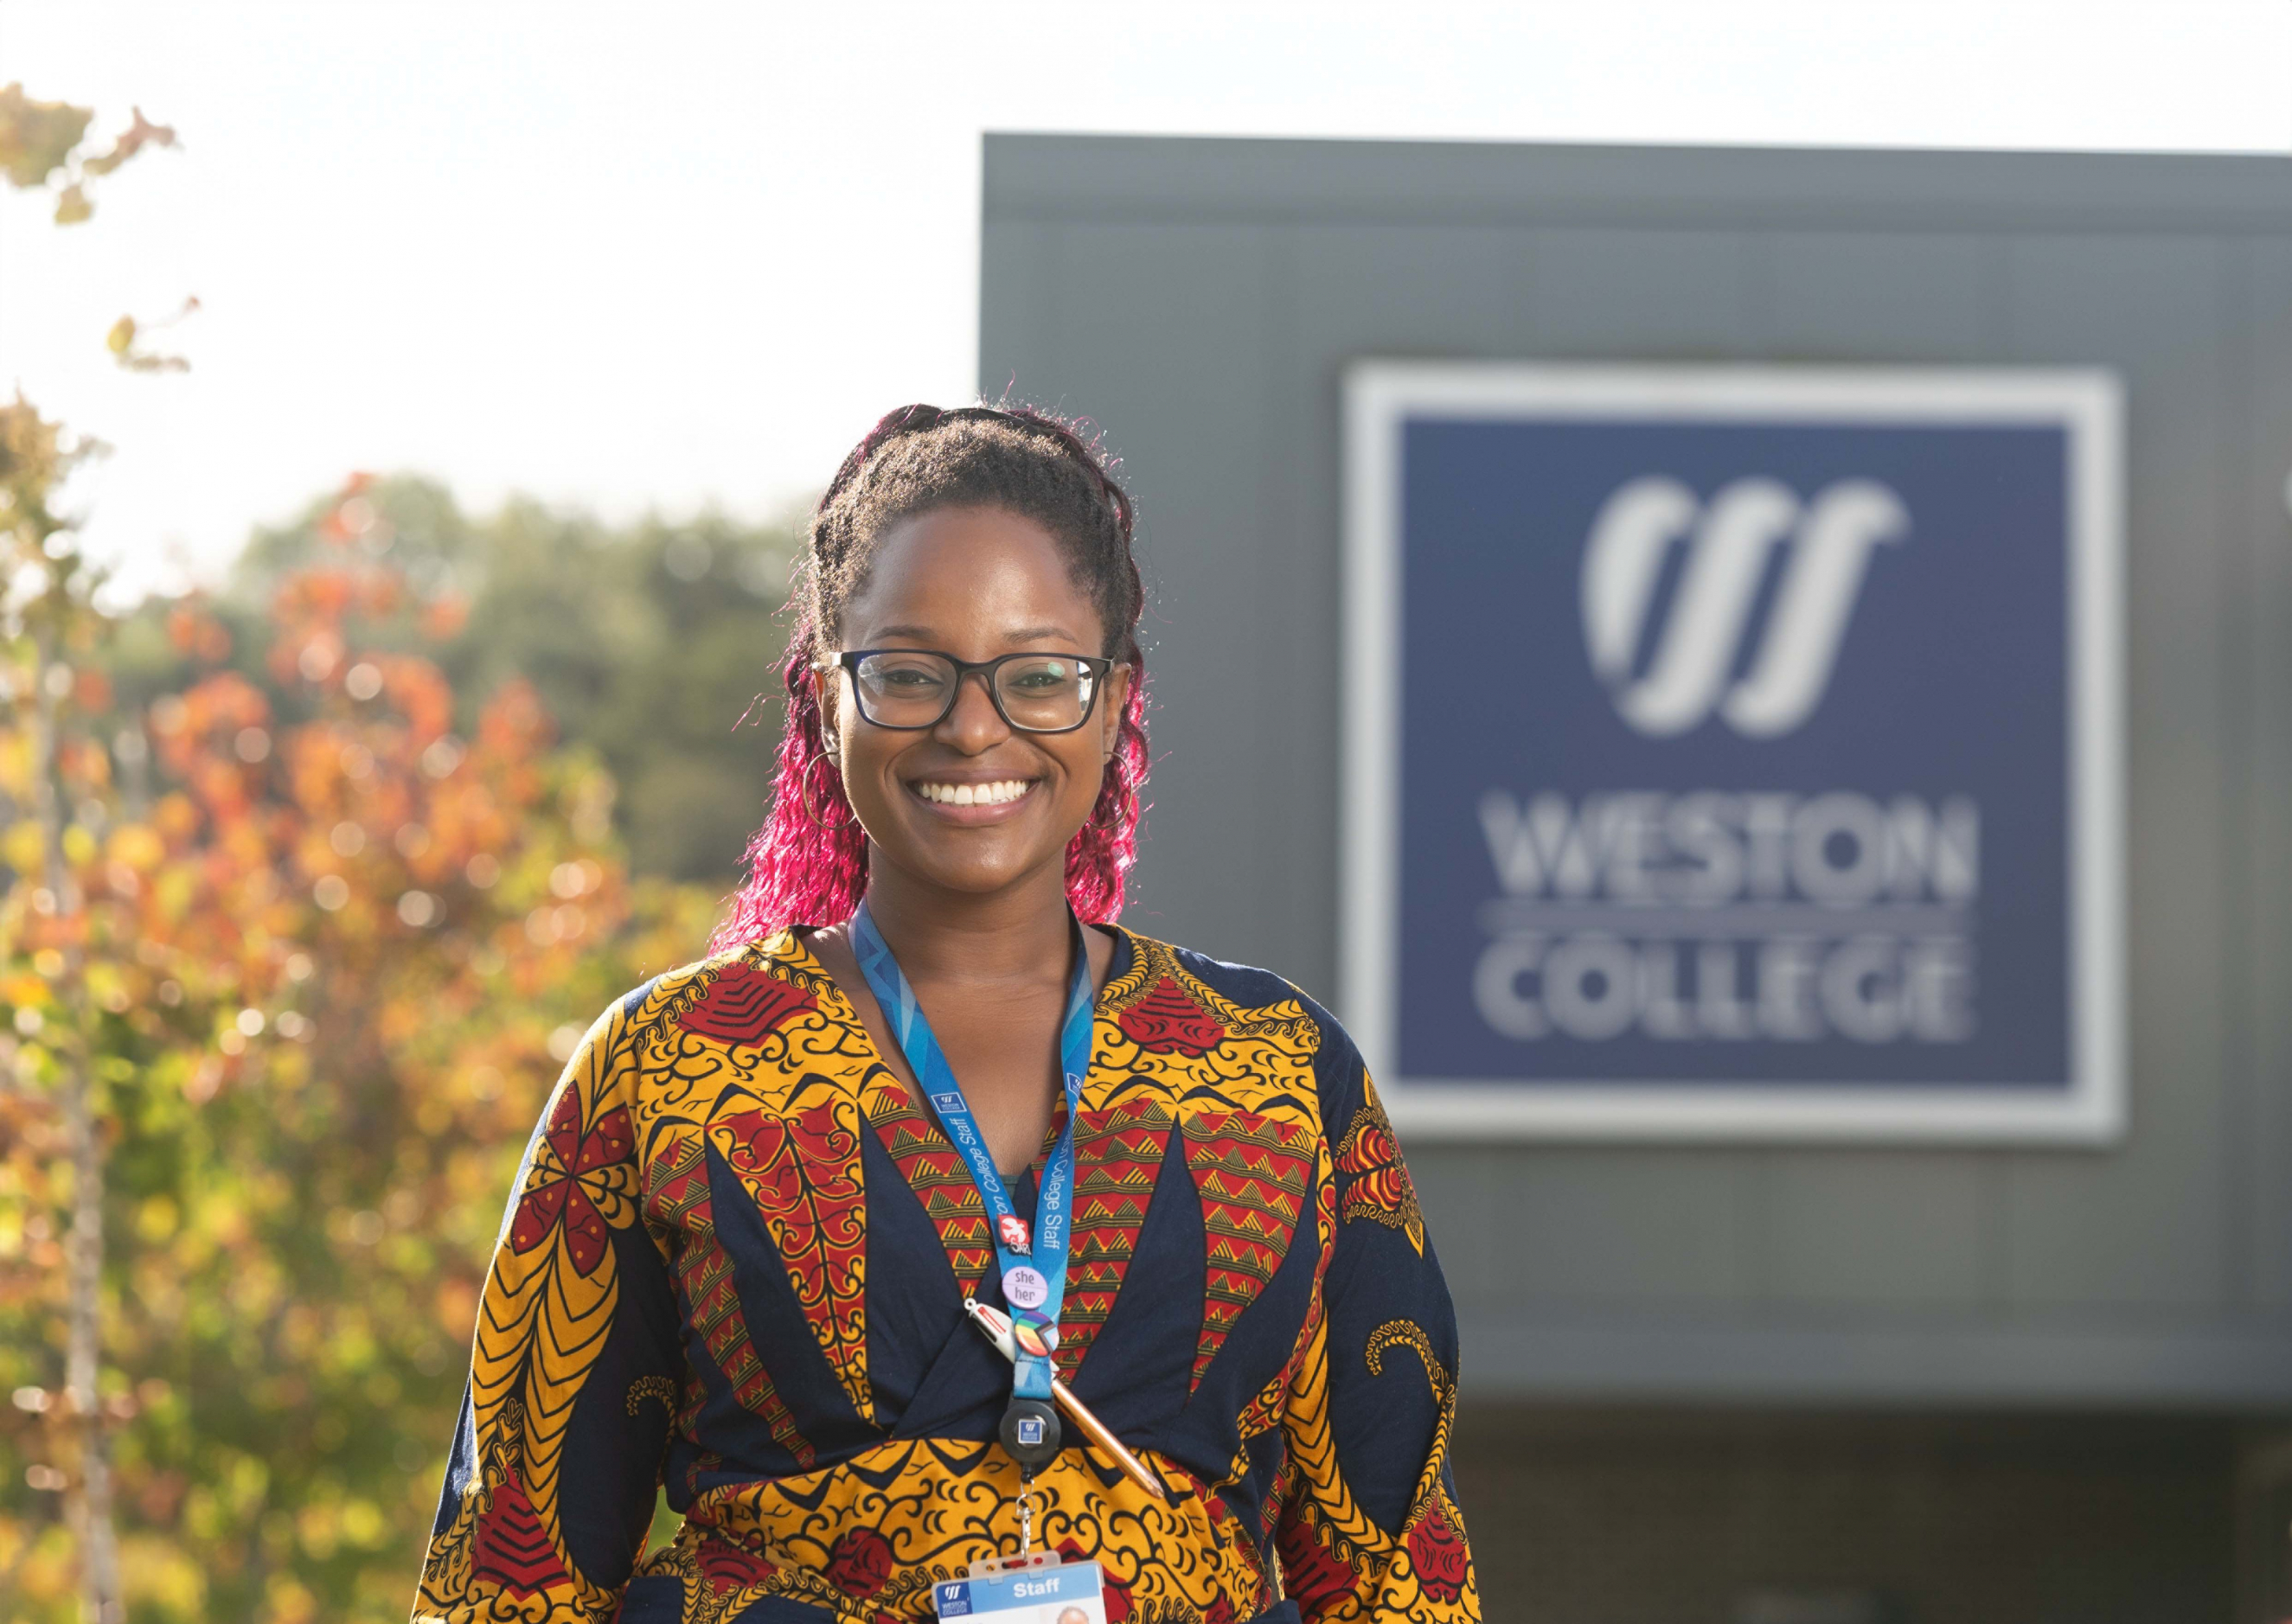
x,y
1033,1589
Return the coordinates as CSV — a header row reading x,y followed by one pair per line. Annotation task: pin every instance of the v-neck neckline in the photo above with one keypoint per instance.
x,y
810,964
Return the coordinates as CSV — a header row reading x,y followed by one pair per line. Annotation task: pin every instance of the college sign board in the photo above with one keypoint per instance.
x,y
1734,752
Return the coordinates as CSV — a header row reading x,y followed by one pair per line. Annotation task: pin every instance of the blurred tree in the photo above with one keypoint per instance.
x,y
50,636
648,643
326,969
290,940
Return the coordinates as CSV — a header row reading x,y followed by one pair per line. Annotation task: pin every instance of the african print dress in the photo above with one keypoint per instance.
x,y
735,1263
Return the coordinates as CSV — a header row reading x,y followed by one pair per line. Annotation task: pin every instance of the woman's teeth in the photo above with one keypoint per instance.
x,y
974,794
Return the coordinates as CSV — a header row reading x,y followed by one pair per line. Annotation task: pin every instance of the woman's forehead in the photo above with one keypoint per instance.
x,y
977,571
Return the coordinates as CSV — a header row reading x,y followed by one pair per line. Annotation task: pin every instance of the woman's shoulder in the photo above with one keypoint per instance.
x,y
1241,997
736,994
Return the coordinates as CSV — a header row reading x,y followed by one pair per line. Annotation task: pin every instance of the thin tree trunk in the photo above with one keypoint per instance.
x,y
99,1595
90,1505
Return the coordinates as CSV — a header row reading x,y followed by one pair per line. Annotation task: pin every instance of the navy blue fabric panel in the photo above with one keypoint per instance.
x,y
1243,984
1248,1497
783,1610
1339,1073
1254,1351
781,1336
1135,1374
915,1302
968,1385
963,1395
740,1438
634,1001
658,1598
733,1432
615,1441
1384,1423
461,1464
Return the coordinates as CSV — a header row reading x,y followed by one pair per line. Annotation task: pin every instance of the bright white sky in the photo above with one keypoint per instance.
x,y
668,255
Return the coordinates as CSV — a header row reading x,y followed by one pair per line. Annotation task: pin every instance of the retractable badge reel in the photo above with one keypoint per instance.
x,y
1034,1586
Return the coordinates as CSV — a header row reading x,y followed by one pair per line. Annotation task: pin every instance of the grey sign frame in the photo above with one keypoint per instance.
x,y
2087,403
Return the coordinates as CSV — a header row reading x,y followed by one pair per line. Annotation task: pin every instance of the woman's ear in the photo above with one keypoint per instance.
x,y
1117,702
827,694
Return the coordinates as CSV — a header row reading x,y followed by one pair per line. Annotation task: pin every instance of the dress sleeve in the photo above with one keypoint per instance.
x,y
1370,1527
575,1369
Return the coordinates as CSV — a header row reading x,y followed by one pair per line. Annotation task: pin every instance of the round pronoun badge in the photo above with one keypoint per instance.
x,y
1025,1286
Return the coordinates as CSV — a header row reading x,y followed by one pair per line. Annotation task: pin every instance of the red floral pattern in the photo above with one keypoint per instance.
x,y
1314,1574
1439,1554
572,1176
1168,1021
743,1005
801,1166
1376,1180
859,1563
728,1566
513,1549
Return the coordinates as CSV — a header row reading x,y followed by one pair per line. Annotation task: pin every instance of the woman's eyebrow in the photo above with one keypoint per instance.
x,y
1018,635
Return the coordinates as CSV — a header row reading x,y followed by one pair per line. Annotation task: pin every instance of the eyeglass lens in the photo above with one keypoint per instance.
x,y
1038,693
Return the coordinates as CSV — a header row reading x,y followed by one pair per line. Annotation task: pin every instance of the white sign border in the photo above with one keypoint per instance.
x,y
1380,394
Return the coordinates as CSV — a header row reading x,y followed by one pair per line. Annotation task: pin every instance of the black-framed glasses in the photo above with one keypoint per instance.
x,y
910,689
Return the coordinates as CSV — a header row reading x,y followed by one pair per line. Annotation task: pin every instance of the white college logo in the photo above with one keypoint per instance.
x,y
1731,541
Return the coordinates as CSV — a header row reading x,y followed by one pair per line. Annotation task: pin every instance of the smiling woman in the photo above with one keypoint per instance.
x,y
924,470
926,1079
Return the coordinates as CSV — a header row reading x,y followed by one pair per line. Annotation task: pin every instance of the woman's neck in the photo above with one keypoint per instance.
x,y
1020,933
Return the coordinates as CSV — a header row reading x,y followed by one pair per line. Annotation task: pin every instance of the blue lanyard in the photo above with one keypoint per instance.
x,y
1034,1266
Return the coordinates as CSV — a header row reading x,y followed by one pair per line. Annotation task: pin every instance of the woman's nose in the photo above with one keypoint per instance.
x,y
973,723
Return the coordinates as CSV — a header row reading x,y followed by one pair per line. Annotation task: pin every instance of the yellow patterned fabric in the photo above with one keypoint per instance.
x,y
735,1261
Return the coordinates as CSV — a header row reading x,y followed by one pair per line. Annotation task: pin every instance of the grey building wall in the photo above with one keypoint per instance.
x,y
1199,299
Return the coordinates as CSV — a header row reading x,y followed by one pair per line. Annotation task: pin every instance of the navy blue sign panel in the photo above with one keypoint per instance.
x,y
1735,751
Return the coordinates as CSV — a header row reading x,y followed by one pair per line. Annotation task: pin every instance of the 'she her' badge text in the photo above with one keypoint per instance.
x,y
1025,1286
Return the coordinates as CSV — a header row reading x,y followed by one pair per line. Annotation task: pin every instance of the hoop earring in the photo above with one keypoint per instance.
x,y
808,796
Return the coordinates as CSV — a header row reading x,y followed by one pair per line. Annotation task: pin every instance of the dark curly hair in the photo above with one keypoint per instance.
x,y
808,865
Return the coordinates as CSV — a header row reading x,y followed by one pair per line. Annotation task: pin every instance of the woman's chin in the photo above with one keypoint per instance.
x,y
970,867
